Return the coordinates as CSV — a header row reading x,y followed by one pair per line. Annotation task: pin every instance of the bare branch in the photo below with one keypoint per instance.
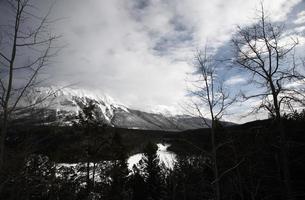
x,y
6,58
228,170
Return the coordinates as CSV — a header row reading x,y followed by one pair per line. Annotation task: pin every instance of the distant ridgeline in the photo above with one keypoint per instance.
x,y
60,107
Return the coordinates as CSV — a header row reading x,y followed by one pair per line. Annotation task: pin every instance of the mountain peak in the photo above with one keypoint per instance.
x,y
64,104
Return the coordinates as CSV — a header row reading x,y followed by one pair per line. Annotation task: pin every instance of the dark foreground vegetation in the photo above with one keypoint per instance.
x,y
248,162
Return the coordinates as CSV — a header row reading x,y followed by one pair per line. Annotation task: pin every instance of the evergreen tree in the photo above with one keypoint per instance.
x,y
119,172
152,172
90,124
119,177
191,179
138,185
35,181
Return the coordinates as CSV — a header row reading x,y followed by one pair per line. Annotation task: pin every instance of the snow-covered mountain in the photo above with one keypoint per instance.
x,y
61,106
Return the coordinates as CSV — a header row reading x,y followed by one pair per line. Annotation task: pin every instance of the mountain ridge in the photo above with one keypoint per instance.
x,y
64,104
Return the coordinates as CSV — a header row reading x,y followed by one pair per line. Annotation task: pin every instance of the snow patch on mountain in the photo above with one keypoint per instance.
x,y
62,106
68,102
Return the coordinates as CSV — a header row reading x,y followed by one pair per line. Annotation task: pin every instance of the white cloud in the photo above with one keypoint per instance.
x,y
234,80
299,29
301,18
139,51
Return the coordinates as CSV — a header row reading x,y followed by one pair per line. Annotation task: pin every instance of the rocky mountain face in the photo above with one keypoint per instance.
x,y
61,106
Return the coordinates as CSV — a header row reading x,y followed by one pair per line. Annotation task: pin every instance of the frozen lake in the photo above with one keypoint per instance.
x,y
165,156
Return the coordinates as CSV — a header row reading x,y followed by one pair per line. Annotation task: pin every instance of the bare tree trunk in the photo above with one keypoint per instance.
x,y
239,179
215,166
2,143
285,161
212,94
9,87
19,38
283,146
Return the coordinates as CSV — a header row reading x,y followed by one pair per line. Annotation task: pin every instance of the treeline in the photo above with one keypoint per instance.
x,y
41,178
248,163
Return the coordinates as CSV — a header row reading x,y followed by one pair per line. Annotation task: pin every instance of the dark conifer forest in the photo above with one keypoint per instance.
x,y
248,162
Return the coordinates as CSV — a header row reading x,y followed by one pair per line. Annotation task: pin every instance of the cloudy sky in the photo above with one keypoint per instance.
x,y
140,51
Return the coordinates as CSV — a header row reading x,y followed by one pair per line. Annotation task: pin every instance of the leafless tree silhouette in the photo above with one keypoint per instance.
x,y
26,48
211,101
265,51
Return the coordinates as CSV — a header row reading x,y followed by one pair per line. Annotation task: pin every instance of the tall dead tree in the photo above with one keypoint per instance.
x,y
26,47
266,52
211,101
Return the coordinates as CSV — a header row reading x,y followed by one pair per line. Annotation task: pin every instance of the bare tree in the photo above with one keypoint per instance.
x,y
267,53
211,101
26,47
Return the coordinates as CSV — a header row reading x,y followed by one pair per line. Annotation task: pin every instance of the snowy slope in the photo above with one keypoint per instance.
x,y
62,106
